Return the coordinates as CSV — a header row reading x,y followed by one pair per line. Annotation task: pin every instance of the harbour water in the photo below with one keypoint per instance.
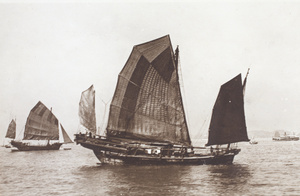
x,y
268,168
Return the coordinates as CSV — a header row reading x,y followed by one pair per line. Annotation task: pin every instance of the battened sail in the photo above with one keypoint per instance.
x,y
87,114
41,124
11,130
228,118
147,103
66,137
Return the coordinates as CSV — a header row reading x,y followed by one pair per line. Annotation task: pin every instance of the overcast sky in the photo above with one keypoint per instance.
x,y
51,52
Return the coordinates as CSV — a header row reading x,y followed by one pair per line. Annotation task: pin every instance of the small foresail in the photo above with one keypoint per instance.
x,y
228,123
66,137
87,114
147,103
11,130
41,124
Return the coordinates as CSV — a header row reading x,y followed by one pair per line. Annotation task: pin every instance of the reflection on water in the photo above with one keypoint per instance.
x,y
166,180
232,178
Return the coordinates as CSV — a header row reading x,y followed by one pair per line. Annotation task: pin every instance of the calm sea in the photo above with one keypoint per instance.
x,y
268,168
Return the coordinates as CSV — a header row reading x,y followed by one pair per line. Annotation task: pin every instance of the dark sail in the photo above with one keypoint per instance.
x,y
228,118
147,102
11,130
87,114
41,124
67,139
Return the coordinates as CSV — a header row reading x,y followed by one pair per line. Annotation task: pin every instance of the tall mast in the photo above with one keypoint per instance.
x,y
177,76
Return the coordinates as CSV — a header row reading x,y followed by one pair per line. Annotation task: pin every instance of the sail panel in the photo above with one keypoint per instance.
x,y
66,137
87,114
228,123
147,102
41,124
11,130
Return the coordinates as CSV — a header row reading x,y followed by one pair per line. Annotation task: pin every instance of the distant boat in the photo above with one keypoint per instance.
x,y
41,131
11,132
285,137
147,122
253,141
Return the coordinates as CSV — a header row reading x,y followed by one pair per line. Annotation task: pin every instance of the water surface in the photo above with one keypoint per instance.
x,y
268,168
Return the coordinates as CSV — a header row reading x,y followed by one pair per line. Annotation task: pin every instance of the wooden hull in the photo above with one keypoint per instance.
x,y
113,154
111,158
25,147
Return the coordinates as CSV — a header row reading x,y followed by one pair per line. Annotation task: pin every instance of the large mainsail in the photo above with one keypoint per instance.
x,y
41,124
87,114
66,137
147,103
228,118
11,130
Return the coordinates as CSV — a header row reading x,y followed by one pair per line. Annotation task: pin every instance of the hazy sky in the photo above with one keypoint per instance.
x,y
51,52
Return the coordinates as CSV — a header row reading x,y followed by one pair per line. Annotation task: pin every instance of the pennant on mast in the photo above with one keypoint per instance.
x,y
244,83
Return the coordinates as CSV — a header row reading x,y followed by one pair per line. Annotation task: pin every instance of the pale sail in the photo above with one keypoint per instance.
x,y
41,124
147,102
87,114
66,137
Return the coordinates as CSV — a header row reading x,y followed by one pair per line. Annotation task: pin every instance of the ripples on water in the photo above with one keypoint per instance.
x,y
268,168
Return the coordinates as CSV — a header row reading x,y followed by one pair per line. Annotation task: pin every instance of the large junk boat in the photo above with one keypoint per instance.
x,y
147,122
41,131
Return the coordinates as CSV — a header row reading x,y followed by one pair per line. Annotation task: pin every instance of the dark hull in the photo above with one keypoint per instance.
x,y
114,154
25,147
111,158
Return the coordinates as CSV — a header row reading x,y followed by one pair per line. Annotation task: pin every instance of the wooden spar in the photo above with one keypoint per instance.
x,y
180,96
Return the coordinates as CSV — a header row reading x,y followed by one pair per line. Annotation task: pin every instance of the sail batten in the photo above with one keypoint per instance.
x,y
228,123
87,114
41,124
147,102
11,130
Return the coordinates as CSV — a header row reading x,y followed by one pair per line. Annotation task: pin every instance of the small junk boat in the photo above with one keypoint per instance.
x,y
41,131
11,132
147,122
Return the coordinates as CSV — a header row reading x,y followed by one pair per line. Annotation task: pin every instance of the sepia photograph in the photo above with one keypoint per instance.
x,y
169,97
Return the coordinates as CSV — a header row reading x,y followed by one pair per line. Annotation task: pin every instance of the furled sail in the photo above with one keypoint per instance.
x,y
11,130
66,137
87,114
41,124
228,123
147,102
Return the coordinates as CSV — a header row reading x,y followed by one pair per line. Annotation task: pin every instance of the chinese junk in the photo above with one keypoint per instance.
x,y
147,122
41,131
